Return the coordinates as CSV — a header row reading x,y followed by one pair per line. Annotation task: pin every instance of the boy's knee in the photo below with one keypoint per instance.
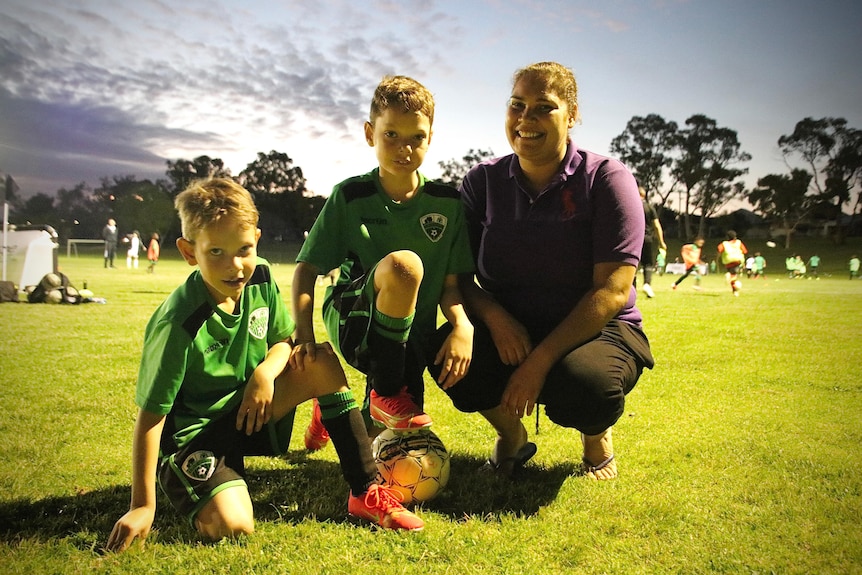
x,y
228,526
403,267
326,372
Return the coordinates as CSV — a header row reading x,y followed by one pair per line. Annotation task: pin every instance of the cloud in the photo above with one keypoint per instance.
x,y
121,87
46,146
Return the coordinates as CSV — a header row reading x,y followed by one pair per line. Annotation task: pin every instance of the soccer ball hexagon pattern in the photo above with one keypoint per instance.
x,y
415,464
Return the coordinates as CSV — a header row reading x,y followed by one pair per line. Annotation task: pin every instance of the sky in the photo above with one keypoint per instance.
x,y
101,88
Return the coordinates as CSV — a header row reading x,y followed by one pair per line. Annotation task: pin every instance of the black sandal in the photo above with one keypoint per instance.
x,y
588,467
511,466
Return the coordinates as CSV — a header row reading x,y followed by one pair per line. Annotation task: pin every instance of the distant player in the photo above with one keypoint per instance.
x,y
731,253
691,256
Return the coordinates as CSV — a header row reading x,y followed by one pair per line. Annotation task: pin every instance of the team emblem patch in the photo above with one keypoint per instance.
x,y
258,322
200,465
433,225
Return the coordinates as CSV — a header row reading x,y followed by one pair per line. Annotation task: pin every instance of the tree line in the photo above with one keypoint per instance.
x,y
286,206
700,163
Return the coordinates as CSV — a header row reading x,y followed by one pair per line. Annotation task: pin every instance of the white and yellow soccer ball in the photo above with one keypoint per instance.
x,y
54,296
415,464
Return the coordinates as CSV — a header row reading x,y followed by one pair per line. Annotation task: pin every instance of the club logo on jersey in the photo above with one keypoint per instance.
x,y
200,465
433,225
258,322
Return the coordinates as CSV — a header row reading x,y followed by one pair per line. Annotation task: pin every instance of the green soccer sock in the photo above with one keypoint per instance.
x,y
392,328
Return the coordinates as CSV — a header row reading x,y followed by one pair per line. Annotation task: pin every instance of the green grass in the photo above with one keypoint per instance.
x,y
739,453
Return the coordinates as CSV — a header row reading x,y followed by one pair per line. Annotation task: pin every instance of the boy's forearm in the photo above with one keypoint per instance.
x,y
452,306
275,361
302,292
145,458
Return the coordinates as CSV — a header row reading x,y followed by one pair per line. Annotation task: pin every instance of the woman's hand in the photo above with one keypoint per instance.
x,y
511,339
523,389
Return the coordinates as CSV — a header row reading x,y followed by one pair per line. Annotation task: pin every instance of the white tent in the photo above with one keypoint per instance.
x,y
29,252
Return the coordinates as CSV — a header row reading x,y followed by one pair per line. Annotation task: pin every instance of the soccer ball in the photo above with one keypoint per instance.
x,y
415,464
54,296
50,281
737,285
771,244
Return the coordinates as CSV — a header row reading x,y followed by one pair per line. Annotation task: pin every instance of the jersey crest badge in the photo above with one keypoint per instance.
x,y
200,465
258,322
434,225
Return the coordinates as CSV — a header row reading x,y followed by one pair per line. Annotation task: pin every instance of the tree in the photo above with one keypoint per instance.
x,y
784,200
646,146
705,168
272,173
11,191
37,209
831,151
279,191
182,172
455,170
79,216
844,175
138,205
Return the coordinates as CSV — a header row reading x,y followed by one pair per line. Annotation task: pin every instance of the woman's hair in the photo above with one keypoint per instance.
x,y
206,201
559,79
402,94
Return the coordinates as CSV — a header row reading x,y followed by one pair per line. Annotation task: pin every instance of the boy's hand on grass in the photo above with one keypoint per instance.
x,y
256,407
135,523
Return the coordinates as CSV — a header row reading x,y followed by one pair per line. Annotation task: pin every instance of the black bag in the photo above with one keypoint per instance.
x,y
54,288
8,292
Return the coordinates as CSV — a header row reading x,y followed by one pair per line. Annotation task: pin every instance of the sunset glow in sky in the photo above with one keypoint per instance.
x,y
97,88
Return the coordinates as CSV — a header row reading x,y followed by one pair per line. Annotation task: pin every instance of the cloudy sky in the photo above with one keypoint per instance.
x,y
95,88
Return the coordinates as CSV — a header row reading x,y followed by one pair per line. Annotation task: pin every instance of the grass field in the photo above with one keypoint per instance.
x,y
740,453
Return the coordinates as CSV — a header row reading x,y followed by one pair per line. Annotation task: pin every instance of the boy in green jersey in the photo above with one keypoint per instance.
x,y
400,243
217,383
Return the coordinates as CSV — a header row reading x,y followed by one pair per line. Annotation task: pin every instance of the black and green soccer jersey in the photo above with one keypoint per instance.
x,y
197,359
360,224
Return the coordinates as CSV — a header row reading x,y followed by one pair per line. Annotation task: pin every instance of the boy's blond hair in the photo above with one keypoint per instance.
x,y
402,94
559,79
206,201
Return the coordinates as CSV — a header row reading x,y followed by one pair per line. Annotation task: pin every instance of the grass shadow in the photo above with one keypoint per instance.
x,y
472,493
72,516
307,489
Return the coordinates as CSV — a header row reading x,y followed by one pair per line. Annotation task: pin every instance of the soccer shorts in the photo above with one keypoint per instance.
x,y
214,461
584,390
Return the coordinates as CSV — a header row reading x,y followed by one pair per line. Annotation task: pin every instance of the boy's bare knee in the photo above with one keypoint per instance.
x,y
230,527
403,267
228,515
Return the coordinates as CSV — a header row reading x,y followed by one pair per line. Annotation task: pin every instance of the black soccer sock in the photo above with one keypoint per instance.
x,y
387,346
342,419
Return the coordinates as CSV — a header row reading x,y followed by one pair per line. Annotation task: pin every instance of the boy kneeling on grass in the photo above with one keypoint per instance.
x,y
217,383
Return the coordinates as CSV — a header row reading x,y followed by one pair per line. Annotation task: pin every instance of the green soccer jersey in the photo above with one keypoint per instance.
x,y
197,359
360,224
